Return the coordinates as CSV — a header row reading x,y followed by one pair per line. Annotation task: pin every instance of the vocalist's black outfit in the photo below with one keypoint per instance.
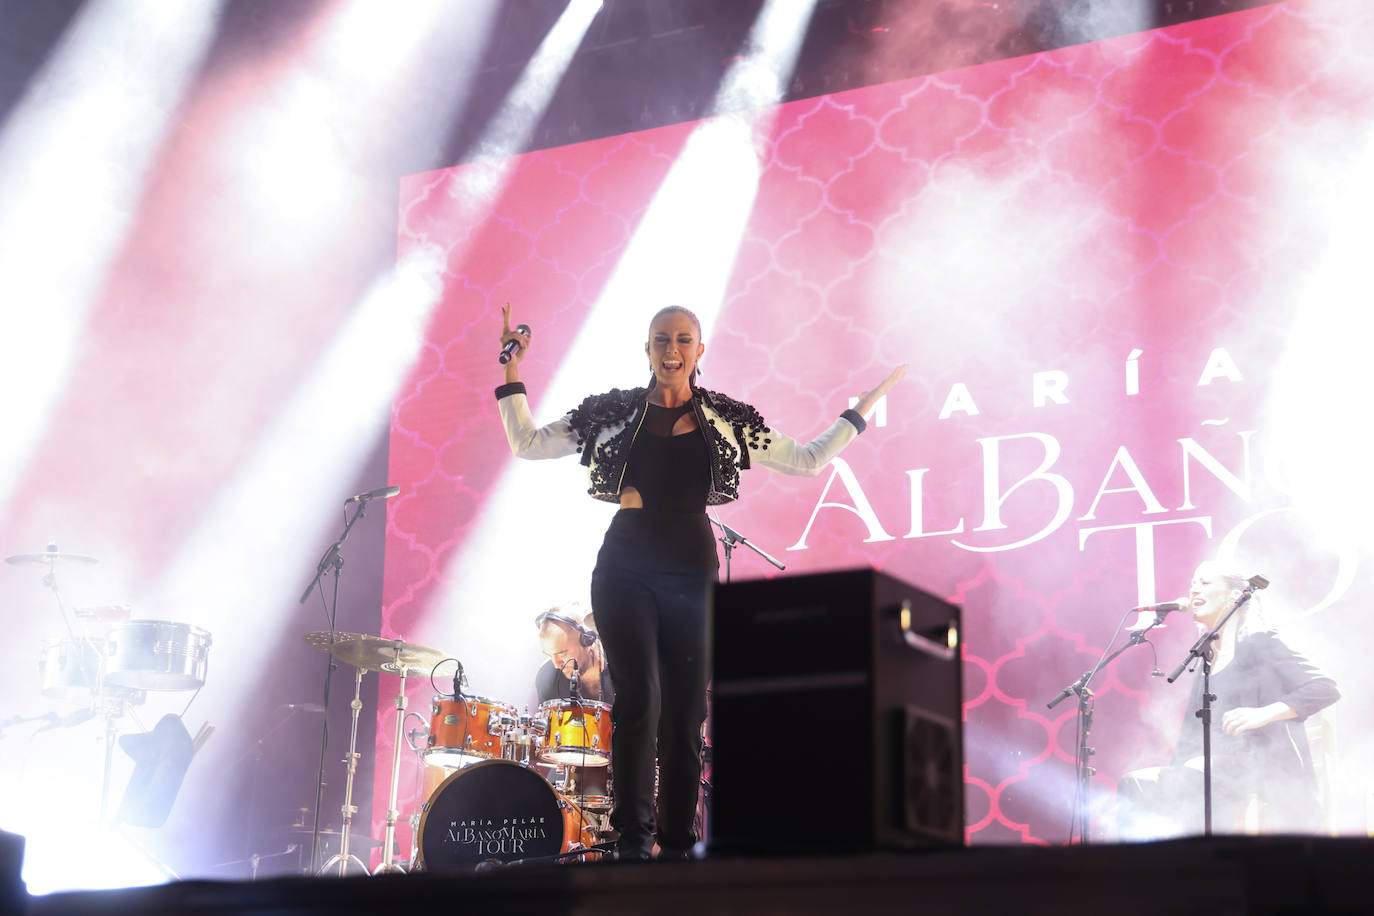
x,y
1271,766
654,571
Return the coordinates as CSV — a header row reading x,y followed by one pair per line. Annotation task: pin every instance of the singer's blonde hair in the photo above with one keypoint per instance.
x,y
1250,617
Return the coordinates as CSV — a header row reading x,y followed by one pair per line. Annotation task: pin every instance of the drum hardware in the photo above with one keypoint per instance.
x,y
343,858
388,863
49,558
71,666
415,741
255,860
81,652
523,739
374,653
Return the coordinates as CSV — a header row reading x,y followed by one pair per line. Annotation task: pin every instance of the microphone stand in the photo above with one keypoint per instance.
x,y
1203,649
332,559
1083,771
730,537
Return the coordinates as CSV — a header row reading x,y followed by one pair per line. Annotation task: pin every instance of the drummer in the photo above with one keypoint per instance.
x,y
568,637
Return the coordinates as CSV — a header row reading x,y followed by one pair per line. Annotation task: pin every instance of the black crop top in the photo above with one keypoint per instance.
x,y
671,473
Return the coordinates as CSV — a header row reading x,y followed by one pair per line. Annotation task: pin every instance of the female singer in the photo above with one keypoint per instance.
x,y
663,453
1262,773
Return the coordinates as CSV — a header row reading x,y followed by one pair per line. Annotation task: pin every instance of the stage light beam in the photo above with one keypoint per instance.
x,y
702,206
73,159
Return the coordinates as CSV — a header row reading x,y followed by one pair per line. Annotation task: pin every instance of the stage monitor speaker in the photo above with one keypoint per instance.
x,y
836,716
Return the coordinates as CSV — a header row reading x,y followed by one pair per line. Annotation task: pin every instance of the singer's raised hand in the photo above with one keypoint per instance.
x,y
870,398
507,335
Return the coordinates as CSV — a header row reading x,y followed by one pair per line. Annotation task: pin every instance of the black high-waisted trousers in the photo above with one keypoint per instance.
x,y
649,596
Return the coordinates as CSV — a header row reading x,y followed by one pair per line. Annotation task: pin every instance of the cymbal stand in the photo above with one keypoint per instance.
x,y
110,734
342,858
389,842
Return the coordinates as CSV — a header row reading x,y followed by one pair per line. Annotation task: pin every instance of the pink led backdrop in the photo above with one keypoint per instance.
x,y
1094,261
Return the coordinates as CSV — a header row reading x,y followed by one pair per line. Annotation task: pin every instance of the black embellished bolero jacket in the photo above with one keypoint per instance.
x,y
603,428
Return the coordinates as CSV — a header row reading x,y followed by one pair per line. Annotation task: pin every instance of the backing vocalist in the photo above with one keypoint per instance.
x,y
1262,772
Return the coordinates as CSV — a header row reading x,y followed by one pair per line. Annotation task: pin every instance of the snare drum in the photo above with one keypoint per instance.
x,y
496,809
577,733
467,730
157,655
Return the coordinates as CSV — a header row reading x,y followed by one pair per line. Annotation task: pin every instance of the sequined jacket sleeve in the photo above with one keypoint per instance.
x,y
774,449
782,453
554,440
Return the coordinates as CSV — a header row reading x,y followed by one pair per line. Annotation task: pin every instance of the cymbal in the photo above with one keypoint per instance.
x,y
373,653
51,556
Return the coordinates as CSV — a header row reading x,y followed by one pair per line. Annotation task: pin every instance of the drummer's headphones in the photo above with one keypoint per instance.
x,y
585,636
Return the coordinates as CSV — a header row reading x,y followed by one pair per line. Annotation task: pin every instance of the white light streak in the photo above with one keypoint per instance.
x,y
759,77
301,468
514,122
682,253
73,159
1323,445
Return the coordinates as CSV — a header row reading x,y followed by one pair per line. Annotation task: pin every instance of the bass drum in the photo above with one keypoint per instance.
x,y
499,811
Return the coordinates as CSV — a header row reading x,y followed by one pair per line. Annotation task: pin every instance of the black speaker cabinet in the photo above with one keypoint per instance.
x,y
835,718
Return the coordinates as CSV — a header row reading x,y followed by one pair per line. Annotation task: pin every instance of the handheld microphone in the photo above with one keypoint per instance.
x,y
512,346
379,493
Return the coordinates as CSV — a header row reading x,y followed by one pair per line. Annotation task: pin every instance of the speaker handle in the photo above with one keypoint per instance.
x,y
944,650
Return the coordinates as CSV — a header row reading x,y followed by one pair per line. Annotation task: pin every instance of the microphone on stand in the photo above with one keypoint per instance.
x,y
572,679
379,493
1165,608
458,681
1160,611
512,346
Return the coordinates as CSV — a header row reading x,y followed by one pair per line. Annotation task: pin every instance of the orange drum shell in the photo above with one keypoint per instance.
x,y
464,727
577,828
576,733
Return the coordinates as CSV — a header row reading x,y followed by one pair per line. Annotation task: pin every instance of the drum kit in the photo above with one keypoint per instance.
x,y
108,661
502,785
